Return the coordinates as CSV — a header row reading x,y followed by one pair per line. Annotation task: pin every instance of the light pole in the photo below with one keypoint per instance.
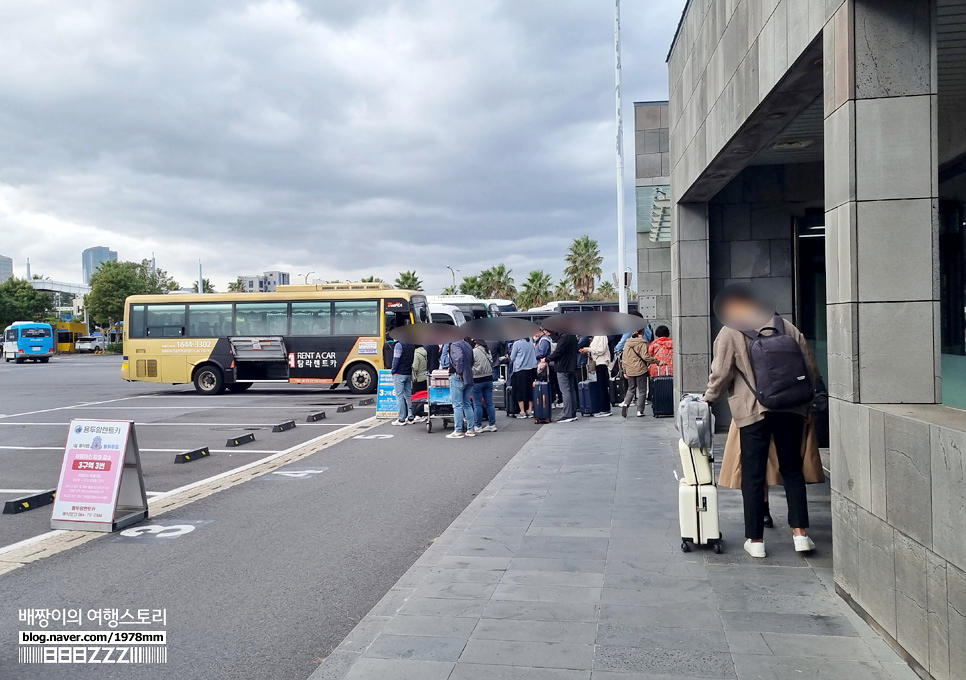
x,y
307,277
622,293
453,272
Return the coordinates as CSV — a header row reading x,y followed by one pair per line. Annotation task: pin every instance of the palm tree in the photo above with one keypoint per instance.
x,y
498,282
606,291
471,286
236,286
536,290
583,265
372,279
209,288
408,280
450,290
563,291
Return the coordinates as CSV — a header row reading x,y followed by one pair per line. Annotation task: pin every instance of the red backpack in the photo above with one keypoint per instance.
x,y
661,349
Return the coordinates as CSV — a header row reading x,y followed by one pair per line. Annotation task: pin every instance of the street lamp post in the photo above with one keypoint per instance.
x,y
453,272
622,293
307,277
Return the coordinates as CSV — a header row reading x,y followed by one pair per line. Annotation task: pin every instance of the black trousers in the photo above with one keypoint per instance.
x,y
787,430
603,387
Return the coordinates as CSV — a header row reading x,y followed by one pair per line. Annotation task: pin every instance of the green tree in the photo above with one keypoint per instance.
x,y
450,290
236,286
583,265
536,290
408,280
371,279
563,291
19,301
606,291
113,282
471,286
209,288
497,282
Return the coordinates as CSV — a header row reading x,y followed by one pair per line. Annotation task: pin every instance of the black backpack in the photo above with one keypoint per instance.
x,y
782,375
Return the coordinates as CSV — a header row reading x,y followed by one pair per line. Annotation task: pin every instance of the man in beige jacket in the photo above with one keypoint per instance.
x,y
732,375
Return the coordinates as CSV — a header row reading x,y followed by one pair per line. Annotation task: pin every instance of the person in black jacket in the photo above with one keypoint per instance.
x,y
564,359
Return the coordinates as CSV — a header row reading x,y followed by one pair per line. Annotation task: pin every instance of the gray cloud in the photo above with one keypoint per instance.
x,y
343,137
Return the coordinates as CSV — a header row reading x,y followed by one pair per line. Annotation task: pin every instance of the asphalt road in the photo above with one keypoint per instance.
x,y
38,401
273,573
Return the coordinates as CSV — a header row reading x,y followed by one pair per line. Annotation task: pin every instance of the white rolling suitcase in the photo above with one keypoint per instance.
x,y
698,507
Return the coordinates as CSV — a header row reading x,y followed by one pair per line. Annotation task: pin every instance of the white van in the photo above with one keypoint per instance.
x,y
440,313
472,308
91,343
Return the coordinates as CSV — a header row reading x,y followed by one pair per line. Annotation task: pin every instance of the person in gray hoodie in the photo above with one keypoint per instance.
x,y
461,387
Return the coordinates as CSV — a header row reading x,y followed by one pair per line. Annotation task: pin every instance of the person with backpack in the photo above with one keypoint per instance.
x,y
461,388
635,362
483,388
599,360
662,350
763,364
402,379
523,364
564,360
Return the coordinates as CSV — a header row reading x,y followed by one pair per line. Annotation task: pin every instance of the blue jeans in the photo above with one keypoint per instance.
x,y
483,392
460,394
403,390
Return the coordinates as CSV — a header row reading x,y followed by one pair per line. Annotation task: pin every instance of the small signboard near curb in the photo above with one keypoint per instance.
x,y
101,487
386,396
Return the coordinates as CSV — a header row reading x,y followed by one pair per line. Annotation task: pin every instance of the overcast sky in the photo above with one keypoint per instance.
x,y
342,137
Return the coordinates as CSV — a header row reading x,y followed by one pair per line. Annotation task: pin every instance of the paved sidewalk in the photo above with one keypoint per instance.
x,y
568,567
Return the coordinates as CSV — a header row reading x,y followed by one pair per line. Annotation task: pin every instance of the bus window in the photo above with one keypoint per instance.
x,y
311,318
34,332
261,318
164,321
136,322
356,318
209,320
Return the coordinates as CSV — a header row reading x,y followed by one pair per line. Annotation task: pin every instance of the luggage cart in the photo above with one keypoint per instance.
x,y
440,403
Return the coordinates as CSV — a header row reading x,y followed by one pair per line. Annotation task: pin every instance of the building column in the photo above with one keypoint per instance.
x,y
881,189
690,297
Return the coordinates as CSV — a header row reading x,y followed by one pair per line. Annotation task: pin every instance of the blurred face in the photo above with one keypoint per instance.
x,y
743,313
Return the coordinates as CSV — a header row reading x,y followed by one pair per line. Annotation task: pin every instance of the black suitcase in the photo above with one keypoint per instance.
x,y
541,402
662,396
588,399
499,395
618,389
512,406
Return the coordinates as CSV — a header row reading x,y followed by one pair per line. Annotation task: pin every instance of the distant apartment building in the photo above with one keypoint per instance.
x,y
92,258
264,283
6,268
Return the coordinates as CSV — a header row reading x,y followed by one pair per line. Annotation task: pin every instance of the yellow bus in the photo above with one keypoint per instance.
x,y
312,334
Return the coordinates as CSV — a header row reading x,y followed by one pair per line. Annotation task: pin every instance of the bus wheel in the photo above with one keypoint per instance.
x,y
237,387
45,360
18,360
362,379
208,380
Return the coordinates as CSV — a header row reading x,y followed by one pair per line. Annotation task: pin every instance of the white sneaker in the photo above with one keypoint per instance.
x,y
755,549
478,429
455,435
489,428
470,433
640,414
419,419
803,544
603,414
399,423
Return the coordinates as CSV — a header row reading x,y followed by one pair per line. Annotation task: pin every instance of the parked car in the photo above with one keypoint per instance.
x,y
95,344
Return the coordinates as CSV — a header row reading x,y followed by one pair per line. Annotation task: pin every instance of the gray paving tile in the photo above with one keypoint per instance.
x,y
665,661
380,669
667,592
701,618
621,675
787,668
426,606
525,593
364,633
448,575
472,671
573,532
415,647
536,631
815,646
780,603
466,562
336,666
654,637
565,564
537,654
540,611
459,591
431,626
553,578
768,622
747,642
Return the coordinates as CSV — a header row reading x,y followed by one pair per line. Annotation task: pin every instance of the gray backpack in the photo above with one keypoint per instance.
x,y
782,376
696,422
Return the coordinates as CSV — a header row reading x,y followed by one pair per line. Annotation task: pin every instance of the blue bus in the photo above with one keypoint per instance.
x,y
26,340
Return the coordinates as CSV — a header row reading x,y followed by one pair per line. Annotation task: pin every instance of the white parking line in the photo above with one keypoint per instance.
x,y
61,448
180,424
83,404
